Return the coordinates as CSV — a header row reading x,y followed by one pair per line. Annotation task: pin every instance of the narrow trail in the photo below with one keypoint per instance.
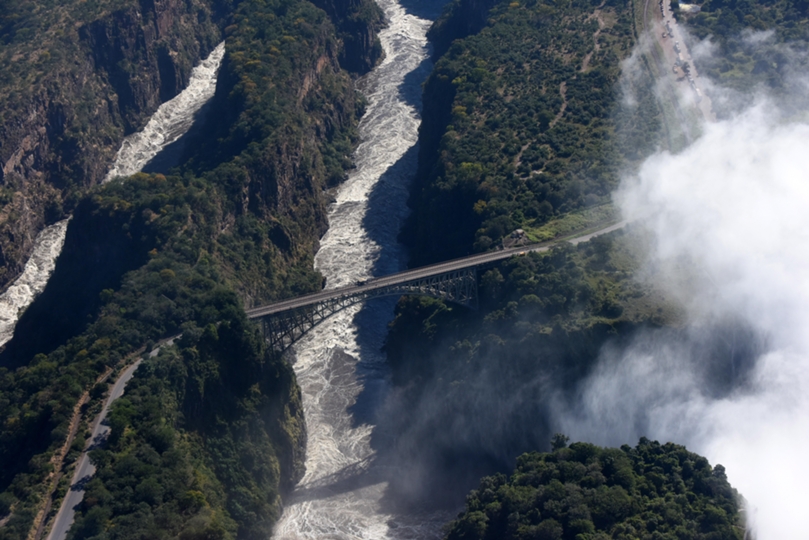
x,y
99,431
596,47
58,460
584,65
84,468
561,113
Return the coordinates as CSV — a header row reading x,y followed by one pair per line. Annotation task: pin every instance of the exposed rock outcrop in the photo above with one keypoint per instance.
x,y
59,134
357,22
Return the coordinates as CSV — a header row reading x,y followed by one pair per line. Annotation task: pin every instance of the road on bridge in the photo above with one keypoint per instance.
x,y
419,273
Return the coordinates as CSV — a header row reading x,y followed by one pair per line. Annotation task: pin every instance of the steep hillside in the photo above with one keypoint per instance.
x,y
521,125
153,256
77,77
526,126
481,387
356,22
181,287
650,491
460,19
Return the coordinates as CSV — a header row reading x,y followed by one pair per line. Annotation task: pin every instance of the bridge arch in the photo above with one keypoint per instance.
x,y
284,327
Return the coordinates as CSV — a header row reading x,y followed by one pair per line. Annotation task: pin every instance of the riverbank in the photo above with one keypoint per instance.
x,y
344,377
156,255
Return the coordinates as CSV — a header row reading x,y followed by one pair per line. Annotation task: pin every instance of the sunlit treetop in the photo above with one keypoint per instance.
x,y
585,492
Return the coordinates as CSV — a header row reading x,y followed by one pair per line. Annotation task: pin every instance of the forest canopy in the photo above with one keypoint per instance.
x,y
585,492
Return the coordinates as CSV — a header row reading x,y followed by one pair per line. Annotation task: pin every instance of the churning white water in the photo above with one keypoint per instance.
x,y
31,282
340,368
169,123
171,120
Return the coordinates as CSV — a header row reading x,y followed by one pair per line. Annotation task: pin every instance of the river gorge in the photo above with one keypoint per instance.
x,y
340,366
332,151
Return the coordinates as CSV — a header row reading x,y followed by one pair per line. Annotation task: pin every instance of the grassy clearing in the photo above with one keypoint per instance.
x,y
574,223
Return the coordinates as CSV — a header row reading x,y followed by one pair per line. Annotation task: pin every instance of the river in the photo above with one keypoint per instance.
x,y
170,122
342,372
32,281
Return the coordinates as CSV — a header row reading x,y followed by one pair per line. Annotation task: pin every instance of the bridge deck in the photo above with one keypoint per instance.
x,y
418,273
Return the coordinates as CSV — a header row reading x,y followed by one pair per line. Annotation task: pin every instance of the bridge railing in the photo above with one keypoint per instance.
x,y
284,327
454,281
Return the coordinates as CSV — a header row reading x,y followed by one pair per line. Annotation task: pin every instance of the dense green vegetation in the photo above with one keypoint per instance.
x,y
184,287
220,476
506,154
156,255
481,387
584,492
758,44
499,151
521,130
279,86
521,125
727,19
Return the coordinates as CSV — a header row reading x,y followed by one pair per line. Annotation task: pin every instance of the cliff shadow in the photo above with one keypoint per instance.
x,y
384,217
96,255
424,9
413,484
178,152
410,91
352,477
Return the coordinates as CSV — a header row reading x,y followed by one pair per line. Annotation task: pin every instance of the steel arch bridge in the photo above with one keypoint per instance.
x,y
286,322
453,281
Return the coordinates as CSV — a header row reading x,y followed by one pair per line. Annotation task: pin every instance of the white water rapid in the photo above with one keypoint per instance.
x,y
31,282
340,367
171,120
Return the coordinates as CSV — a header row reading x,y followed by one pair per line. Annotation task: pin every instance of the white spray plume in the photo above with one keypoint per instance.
x,y
735,205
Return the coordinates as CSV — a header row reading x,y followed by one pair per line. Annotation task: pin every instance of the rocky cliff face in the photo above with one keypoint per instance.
x,y
460,19
145,54
157,255
84,85
357,22
294,135
98,77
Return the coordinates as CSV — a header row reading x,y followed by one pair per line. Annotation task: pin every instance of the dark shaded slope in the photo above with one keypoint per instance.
x,y
152,256
74,79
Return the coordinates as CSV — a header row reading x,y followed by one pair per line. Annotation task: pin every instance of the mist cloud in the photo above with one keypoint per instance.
x,y
730,221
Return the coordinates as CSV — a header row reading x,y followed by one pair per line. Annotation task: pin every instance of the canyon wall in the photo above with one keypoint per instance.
x,y
73,91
